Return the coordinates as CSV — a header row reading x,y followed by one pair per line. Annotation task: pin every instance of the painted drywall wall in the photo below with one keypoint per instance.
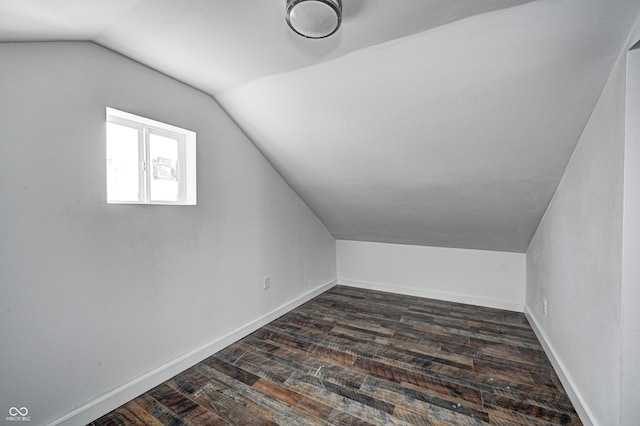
x,y
485,278
574,262
630,392
94,295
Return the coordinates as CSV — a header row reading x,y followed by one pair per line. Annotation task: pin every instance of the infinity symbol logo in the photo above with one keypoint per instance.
x,y
13,411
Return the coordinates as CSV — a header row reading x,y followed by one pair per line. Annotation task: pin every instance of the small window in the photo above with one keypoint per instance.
x,y
149,162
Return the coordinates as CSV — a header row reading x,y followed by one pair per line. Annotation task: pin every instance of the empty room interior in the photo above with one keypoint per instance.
x,y
319,212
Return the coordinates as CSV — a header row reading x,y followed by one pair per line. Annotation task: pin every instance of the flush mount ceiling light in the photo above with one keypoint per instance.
x,y
314,18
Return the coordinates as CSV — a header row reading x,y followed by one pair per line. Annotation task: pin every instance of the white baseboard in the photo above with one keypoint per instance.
x,y
115,398
569,386
431,294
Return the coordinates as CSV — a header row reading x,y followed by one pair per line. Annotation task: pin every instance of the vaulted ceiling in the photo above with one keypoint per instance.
x,y
433,122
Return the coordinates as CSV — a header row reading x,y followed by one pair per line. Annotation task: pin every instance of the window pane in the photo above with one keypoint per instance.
x,y
122,163
163,154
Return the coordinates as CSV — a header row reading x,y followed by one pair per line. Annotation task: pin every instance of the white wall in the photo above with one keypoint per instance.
x,y
485,278
630,409
574,261
95,297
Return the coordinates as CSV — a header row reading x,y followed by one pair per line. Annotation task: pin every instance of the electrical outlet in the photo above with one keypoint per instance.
x,y
544,306
266,283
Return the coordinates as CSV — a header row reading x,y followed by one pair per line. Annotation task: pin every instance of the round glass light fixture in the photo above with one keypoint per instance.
x,y
314,18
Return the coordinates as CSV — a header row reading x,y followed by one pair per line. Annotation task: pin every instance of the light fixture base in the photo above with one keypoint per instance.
x,y
314,18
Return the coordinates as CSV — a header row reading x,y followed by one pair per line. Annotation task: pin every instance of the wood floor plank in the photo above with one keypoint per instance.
x,y
438,386
128,414
188,381
281,410
184,407
313,387
231,407
257,365
523,374
411,417
369,414
295,399
340,418
160,412
422,400
361,357
531,411
231,370
294,359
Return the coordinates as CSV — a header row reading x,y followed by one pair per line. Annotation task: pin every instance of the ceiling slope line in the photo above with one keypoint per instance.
x,y
387,44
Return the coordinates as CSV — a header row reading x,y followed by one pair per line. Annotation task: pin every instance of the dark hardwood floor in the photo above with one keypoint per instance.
x,y
357,357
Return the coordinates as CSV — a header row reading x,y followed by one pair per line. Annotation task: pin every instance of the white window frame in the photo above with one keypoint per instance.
x,y
186,166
